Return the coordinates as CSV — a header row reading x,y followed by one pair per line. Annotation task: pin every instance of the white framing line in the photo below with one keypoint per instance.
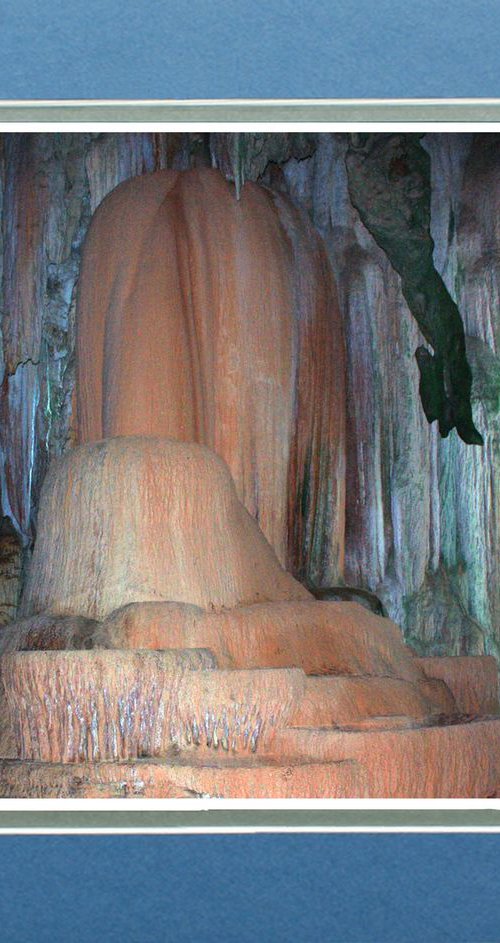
x,y
252,102
250,830
77,126
249,805
255,805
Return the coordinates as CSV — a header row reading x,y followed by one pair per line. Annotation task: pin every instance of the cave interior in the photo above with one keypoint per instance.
x,y
250,471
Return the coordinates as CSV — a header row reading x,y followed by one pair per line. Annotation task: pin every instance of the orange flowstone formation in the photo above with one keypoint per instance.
x,y
129,704
150,779
225,671
214,320
142,518
473,681
163,650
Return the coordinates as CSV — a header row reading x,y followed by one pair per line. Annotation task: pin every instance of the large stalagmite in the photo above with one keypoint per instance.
x,y
213,320
165,650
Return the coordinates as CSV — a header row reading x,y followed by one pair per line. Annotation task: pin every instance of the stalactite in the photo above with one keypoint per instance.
x,y
389,182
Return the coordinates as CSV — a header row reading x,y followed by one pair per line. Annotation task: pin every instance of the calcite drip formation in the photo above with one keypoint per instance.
x,y
162,648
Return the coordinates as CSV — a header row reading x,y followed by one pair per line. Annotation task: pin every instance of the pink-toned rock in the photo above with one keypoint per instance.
x,y
437,691
215,320
319,637
353,703
440,762
472,679
72,706
183,779
143,518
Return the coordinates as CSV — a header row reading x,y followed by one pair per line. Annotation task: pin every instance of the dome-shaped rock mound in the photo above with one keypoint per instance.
x,y
140,518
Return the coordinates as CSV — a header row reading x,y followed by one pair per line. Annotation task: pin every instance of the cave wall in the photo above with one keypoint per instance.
x,y
422,513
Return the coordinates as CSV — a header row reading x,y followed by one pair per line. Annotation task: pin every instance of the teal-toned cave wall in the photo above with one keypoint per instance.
x,y
422,513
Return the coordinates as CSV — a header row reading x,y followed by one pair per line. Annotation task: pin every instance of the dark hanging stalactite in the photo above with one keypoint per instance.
x,y
389,179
